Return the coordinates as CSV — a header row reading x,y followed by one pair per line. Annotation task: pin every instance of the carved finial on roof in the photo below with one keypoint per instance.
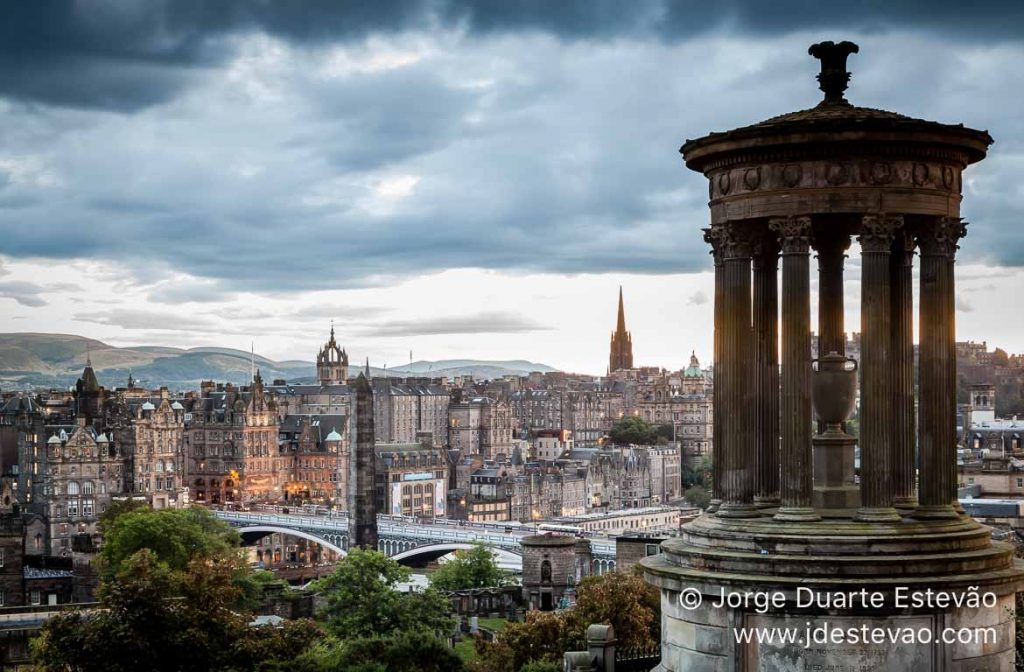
x,y
834,77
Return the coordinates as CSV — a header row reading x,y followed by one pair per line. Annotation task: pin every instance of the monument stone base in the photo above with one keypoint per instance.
x,y
838,596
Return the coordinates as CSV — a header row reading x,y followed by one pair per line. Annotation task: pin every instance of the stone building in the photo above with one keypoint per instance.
x,y
264,468
405,409
480,426
332,363
549,570
214,444
157,452
416,475
316,456
621,349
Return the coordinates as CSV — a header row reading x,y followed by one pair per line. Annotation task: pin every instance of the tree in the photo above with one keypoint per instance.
x,y
475,568
117,508
140,626
362,600
633,429
174,536
624,601
697,495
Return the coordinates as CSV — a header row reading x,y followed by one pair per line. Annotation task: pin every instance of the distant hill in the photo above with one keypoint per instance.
x,y
56,360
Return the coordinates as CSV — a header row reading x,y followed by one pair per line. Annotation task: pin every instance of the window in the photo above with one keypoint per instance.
x,y
72,508
72,487
2,600
87,488
86,509
1020,482
37,597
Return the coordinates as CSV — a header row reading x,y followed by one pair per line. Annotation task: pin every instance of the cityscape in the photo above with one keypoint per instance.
x,y
760,411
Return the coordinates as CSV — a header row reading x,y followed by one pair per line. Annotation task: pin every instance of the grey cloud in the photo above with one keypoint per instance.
x,y
25,293
174,293
127,56
533,153
130,318
481,323
963,305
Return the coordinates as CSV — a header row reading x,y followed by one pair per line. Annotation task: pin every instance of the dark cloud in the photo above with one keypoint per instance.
x,y
536,136
125,56
481,323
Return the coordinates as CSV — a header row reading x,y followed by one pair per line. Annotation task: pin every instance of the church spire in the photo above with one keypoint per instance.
x,y
620,326
621,355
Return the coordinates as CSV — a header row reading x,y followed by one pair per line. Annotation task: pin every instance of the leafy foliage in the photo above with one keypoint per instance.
x,y
140,627
698,495
634,429
362,600
400,652
475,568
624,601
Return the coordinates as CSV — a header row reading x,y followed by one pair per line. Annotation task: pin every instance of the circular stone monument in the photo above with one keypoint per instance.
x,y
877,572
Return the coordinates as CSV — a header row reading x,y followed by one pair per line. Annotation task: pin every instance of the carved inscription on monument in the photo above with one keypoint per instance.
x,y
838,644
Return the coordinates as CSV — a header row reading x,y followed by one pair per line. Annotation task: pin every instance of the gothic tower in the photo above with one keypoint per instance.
x,y
621,356
332,363
363,491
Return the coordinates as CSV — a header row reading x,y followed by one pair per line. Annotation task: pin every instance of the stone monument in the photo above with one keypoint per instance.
x,y
363,470
794,541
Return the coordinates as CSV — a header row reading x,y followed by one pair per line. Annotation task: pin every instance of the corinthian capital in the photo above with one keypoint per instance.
x,y
878,232
941,238
794,233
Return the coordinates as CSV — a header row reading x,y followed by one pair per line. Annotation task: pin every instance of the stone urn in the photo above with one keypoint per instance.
x,y
834,388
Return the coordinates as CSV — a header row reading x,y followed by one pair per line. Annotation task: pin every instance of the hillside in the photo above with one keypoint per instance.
x,y
56,360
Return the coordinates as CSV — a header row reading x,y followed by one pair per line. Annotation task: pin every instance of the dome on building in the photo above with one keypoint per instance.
x,y
102,438
148,406
333,436
694,368
176,406
53,439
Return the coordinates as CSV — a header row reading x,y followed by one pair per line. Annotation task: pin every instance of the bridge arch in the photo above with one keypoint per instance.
x,y
434,551
253,532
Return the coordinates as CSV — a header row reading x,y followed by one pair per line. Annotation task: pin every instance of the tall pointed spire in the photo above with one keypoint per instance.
x,y
621,355
332,331
620,326
88,356
367,368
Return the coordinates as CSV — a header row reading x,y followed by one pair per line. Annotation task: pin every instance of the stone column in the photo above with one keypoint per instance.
x,y
796,483
876,397
766,372
831,249
833,449
937,426
712,236
736,361
903,436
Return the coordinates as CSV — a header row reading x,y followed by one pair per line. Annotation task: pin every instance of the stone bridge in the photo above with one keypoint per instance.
x,y
405,539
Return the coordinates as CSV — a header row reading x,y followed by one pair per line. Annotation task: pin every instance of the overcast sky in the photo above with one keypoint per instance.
x,y
456,179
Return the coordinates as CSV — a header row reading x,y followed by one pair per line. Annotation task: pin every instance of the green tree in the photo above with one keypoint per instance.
x,y
139,625
362,600
697,495
624,601
633,429
174,536
475,568
400,652
117,508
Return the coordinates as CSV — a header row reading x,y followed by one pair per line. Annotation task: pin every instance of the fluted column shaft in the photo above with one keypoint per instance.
x,y
737,394
831,249
766,372
876,239
937,425
903,437
797,476
712,237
